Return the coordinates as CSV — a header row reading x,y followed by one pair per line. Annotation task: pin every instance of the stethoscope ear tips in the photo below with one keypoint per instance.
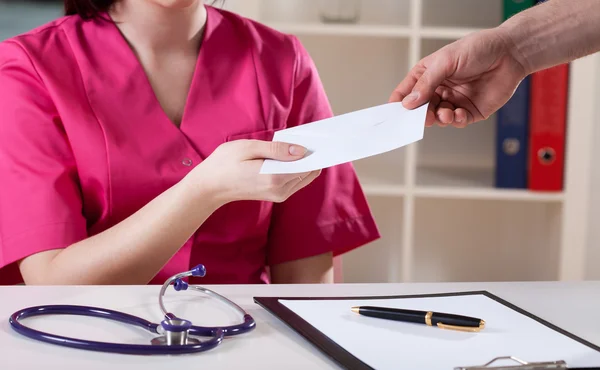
x,y
199,271
180,285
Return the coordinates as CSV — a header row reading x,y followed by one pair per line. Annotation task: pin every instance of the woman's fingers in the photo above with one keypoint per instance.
x,y
257,149
305,181
300,181
281,187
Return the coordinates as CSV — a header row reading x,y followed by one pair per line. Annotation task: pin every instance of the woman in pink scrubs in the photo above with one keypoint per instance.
x,y
131,137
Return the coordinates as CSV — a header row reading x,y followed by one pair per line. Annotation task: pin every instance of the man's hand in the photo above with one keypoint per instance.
x,y
466,81
470,79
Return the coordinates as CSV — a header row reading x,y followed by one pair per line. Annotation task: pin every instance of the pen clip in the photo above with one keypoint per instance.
x,y
472,329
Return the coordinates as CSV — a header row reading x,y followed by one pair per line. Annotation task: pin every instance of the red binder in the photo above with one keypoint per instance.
x,y
547,128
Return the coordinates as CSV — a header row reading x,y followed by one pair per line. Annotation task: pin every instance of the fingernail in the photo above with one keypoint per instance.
x,y
411,97
459,120
297,150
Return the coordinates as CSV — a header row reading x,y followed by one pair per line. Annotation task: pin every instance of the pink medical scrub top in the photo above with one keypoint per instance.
x,y
84,144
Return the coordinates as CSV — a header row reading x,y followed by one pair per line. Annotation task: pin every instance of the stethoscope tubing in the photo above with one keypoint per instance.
x,y
123,348
232,330
171,326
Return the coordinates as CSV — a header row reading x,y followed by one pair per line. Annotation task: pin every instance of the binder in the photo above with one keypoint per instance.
x,y
348,360
512,7
512,124
512,140
549,94
548,110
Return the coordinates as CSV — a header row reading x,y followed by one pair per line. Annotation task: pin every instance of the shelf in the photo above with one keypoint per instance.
x,y
349,79
486,194
458,183
341,29
472,147
446,33
383,190
382,175
459,240
442,183
440,33
462,13
368,12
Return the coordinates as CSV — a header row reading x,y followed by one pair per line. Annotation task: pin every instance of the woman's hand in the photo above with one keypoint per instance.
x,y
232,172
465,81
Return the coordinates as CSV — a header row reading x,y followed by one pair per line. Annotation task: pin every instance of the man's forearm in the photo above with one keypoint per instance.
x,y
553,33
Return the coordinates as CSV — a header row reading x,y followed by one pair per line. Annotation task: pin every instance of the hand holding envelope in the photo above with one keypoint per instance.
x,y
349,137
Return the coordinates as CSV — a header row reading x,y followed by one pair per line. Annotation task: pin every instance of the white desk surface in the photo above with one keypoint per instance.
x,y
272,345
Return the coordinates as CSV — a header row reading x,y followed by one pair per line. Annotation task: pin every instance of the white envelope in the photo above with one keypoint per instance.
x,y
349,137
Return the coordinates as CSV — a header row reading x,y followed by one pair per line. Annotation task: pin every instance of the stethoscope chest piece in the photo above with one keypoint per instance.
x,y
165,341
176,332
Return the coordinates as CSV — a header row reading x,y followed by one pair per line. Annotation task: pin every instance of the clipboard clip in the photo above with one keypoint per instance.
x,y
521,365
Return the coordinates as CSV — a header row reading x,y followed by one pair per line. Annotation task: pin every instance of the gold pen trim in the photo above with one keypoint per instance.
x,y
355,309
428,318
463,328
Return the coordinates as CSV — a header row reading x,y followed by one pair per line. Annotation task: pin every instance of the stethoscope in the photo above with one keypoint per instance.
x,y
176,335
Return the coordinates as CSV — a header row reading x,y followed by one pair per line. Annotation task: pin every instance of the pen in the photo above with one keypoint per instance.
x,y
441,320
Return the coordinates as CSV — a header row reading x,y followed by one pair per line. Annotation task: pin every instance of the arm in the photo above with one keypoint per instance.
x,y
553,33
470,79
131,252
311,270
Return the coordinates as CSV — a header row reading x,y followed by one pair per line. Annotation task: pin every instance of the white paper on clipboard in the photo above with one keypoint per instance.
x,y
385,344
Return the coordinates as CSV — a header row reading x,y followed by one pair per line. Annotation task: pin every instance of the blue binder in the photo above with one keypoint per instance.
x,y
512,132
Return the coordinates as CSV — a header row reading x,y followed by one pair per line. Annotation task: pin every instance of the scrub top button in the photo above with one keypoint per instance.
x,y
187,162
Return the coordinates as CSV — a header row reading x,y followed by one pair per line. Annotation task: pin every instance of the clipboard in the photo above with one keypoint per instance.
x,y
347,360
